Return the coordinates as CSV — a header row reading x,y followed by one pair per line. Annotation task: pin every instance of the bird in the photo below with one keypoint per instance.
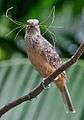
x,y
45,59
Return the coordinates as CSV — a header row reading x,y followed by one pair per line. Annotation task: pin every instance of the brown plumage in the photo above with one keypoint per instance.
x,y
45,59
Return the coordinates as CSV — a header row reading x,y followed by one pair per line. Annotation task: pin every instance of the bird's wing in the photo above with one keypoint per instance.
x,y
51,55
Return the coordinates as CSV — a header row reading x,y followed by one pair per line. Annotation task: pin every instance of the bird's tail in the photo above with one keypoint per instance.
x,y
67,100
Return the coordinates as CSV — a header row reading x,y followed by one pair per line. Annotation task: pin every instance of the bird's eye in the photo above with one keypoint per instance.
x,y
38,23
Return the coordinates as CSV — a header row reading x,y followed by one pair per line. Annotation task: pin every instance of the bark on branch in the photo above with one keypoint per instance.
x,y
47,81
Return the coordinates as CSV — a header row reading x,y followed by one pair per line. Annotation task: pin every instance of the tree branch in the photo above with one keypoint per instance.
x,y
47,81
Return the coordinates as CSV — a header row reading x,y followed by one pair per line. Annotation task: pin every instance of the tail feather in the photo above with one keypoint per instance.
x,y
67,100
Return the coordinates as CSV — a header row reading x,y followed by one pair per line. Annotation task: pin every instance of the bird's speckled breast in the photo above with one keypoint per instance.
x,y
35,56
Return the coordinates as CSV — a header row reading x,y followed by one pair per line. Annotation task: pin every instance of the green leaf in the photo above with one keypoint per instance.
x,y
18,77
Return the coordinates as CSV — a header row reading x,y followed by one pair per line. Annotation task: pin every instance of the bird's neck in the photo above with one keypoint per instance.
x,y
33,32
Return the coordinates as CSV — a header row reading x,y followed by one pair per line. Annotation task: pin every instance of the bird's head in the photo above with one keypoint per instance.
x,y
32,26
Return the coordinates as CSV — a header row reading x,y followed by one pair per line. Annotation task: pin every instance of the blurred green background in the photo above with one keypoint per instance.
x,y
17,76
